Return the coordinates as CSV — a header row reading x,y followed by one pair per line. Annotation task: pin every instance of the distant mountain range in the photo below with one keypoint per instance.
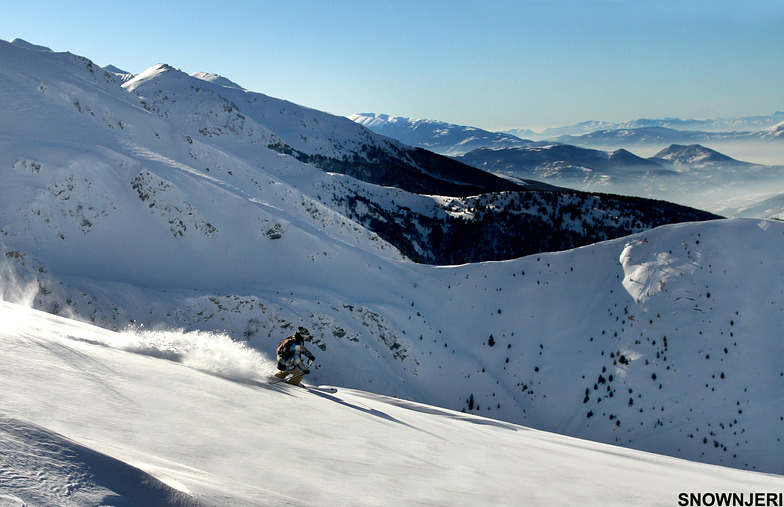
x,y
736,124
440,137
599,159
641,136
566,164
562,164
689,174
450,139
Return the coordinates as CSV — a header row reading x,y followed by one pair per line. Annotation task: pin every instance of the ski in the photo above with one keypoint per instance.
x,y
320,389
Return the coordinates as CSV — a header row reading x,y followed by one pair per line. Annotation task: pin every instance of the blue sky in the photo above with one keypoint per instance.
x,y
493,64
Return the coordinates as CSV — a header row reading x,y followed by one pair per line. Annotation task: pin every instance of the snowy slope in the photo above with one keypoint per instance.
x,y
772,207
651,342
122,427
175,135
114,210
240,122
130,180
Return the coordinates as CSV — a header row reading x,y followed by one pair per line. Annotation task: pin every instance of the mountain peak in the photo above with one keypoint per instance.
x,y
774,131
115,70
692,154
27,45
216,79
155,72
161,68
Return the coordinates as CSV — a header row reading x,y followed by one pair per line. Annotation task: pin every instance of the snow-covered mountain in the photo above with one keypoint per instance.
x,y
654,136
562,162
761,146
772,207
123,425
151,208
451,139
565,165
438,136
776,131
692,175
241,122
725,124
695,155
213,131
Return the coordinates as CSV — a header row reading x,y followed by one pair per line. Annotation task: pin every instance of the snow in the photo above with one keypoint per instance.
x,y
114,419
775,130
692,175
153,211
437,136
217,79
26,45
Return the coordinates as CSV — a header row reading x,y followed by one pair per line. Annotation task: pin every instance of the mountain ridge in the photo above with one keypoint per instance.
x,y
332,143
164,211
452,139
727,189
695,154
721,124
692,175
441,137
226,116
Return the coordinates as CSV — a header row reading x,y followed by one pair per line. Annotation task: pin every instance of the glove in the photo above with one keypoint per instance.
x,y
306,371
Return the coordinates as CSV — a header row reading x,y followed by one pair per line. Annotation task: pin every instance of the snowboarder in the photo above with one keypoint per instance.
x,y
290,354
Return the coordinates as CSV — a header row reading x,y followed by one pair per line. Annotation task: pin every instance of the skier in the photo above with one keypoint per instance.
x,y
290,360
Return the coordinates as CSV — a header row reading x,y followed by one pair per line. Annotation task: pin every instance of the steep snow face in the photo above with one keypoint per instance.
x,y
100,171
232,113
241,122
140,428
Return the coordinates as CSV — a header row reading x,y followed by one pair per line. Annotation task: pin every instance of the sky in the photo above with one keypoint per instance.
x,y
493,64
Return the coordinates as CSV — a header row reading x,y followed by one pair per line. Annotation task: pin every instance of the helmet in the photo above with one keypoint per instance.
x,y
303,332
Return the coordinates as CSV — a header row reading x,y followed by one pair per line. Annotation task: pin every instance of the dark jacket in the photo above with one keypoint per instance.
x,y
295,360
